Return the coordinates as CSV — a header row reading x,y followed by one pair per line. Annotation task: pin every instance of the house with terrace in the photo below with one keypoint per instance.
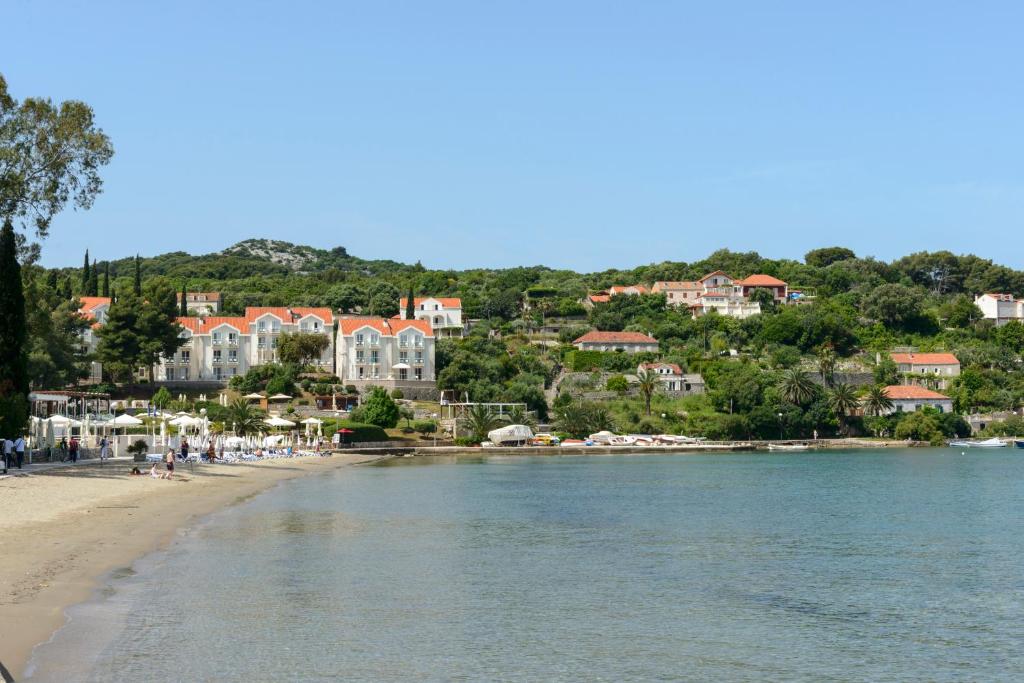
x,y
443,313
936,370
201,303
1000,307
628,342
720,293
673,379
911,398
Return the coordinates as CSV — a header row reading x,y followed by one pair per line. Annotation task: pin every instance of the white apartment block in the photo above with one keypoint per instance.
x,y
1002,308
390,353
673,379
218,348
443,313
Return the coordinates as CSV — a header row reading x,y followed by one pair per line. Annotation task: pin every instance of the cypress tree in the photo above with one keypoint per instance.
x,y
85,275
66,289
410,306
94,280
106,279
13,337
183,304
138,276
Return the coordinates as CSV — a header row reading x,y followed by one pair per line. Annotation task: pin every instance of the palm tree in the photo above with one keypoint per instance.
x,y
827,364
842,400
647,384
797,387
245,419
877,401
479,420
518,415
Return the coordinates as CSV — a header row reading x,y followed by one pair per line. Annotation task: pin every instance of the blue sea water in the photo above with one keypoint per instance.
x,y
884,566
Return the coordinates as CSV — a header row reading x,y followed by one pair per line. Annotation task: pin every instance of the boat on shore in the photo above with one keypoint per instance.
x,y
786,447
987,443
1018,443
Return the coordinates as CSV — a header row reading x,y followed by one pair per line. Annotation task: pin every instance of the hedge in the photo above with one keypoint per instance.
x,y
360,431
584,361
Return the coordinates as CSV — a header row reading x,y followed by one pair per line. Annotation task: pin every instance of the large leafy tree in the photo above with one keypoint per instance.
x,y
243,418
379,409
139,331
842,401
301,348
876,401
50,155
479,420
14,378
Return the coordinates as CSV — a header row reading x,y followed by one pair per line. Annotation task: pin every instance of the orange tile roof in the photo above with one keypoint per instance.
x,y
91,302
621,289
678,284
654,366
387,328
198,325
210,296
600,298
447,302
760,280
281,312
616,338
710,275
925,358
901,391
324,314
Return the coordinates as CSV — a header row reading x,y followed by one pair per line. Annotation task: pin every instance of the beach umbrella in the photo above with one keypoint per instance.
x,y
275,421
124,421
163,432
280,397
47,434
343,431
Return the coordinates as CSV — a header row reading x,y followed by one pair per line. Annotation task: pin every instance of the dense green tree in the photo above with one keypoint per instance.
x,y
345,298
106,280
137,279
14,378
51,156
94,279
183,301
618,384
821,258
161,398
410,304
243,418
876,401
960,311
85,274
579,418
842,401
300,348
379,409
139,331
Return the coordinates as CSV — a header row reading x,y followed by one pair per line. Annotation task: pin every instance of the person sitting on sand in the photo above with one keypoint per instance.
x,y
136,471
152,473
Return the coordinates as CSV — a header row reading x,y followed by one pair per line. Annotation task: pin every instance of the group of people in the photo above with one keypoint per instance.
x,y
14,453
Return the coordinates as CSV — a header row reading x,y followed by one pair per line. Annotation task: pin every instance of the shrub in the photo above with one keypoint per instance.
x,y
351,389
466,441
379,409
424,426
361,432
617,383
397,394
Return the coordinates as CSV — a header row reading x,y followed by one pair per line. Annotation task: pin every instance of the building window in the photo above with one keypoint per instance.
x,y
184,374
359,356
273,342
419,373
232,338
261,326
216,337
261,343
359,340
186,356
403,356
216,355
375,356
403,373
232,356
216,373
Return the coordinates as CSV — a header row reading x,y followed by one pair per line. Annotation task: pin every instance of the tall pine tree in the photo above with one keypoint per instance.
x,y
94,280
13,358
85,275
410,306
183,303
138,276
106,279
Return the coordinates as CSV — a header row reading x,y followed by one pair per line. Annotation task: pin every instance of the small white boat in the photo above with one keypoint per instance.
x,y
987,443
511,435
788,447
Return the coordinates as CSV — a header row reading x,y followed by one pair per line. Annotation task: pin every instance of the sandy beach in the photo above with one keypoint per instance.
x,y
65,528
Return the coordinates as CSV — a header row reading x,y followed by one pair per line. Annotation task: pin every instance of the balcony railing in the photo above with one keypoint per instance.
x,y
217,361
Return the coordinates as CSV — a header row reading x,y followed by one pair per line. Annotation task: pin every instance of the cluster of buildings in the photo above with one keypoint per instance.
x,y
715,291
1002,308
359,350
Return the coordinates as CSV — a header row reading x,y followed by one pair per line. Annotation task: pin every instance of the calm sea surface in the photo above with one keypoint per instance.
x,y
880,566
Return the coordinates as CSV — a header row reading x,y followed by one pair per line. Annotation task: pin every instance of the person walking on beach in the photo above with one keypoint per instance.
x,y
19,451
73,449
170,460
63,447
184,449
8,453
211,452
104,449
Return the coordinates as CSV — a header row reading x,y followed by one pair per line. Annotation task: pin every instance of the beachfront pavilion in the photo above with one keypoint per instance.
x,y
73,404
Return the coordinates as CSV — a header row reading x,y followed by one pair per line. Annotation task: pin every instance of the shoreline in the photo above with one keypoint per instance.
x,y
67,528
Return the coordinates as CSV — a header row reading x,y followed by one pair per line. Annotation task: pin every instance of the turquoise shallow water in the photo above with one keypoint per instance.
x,y
897,565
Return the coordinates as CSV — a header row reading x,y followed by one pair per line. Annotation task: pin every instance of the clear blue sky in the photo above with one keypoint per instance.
x,y
583,134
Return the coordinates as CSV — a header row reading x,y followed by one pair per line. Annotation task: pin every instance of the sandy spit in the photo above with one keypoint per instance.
x,y
64,529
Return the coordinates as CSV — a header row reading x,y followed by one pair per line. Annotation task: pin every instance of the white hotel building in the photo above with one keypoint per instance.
x,y
389,353
218,348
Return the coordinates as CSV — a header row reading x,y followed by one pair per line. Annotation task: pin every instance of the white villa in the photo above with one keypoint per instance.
x,y
443,313
201,303
94,308
720,293
217,348
630,342
390,353
1000,307
673,379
